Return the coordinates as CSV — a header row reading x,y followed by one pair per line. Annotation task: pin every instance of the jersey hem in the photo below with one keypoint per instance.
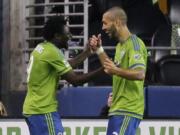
x,y
34,113
126,113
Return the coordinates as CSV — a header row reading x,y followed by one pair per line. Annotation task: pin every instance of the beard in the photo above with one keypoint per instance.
x,y
112,33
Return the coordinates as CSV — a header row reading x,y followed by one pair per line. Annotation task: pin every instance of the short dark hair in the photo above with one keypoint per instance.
x,y
54,25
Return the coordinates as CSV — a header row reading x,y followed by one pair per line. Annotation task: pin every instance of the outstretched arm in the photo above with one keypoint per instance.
x,y
76,79
74,62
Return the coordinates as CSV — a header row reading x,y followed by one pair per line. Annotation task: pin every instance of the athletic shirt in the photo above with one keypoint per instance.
x,y
128,95
47,64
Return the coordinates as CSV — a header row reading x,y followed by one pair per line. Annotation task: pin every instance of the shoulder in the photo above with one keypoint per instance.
x,y
136,43
47,51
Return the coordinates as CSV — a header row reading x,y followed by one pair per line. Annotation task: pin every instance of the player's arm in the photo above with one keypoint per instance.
x,y
130,74
76,79
74,62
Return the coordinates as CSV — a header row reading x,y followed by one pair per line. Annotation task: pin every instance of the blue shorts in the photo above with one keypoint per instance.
x,y
122,125
45,124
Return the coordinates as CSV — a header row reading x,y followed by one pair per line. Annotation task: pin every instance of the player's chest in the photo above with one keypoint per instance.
x,y
121,56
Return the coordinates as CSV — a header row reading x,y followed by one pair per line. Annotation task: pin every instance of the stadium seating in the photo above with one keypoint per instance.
x,y
166,36
168,72
174,11
161,38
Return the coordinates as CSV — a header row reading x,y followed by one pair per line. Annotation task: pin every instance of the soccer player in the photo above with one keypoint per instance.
x,y
47,66
128,71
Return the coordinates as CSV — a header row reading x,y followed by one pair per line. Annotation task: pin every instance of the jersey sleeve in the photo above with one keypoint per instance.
x,y
137,58
58,61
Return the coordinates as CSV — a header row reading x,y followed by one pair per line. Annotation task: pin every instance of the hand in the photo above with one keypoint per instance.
x,y
95,42
88,49
109,67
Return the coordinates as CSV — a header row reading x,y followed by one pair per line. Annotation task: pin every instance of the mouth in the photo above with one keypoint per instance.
x,y
109,34
106,32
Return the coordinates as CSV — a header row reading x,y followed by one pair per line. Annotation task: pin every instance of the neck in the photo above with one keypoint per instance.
x,y
56,42
124,34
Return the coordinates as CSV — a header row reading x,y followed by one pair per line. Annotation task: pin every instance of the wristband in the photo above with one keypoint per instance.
x,y
99,50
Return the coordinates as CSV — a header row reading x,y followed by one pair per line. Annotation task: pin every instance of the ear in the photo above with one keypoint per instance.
x,y
118,22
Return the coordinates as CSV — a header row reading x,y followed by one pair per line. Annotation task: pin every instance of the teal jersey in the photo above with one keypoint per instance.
x,y
128,95
46,66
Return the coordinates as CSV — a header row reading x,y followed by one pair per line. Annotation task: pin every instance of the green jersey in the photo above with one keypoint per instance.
x,y
46,65
128,95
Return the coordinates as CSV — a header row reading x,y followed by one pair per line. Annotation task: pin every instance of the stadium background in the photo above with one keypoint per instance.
x,y
156,22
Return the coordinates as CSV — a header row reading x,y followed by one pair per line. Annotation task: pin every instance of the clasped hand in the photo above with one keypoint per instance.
x,y
95,42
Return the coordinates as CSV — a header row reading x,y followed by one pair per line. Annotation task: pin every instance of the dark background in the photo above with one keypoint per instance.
x,y
1,31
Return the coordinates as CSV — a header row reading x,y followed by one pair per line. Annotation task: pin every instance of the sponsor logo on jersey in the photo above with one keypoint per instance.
x,y
39,48
137,56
